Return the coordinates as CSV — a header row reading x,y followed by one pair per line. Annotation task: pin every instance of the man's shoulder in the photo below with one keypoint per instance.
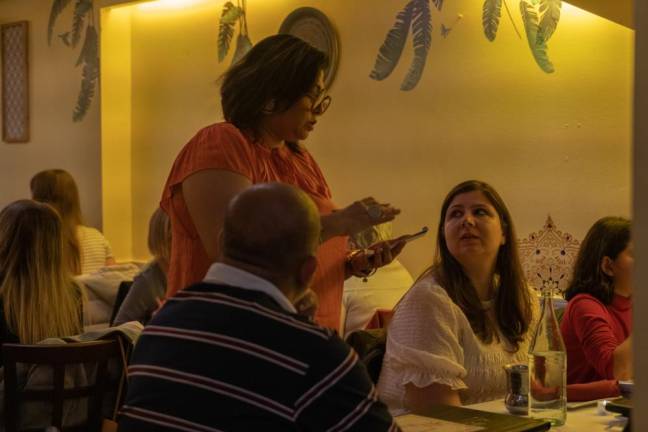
x,y
255,307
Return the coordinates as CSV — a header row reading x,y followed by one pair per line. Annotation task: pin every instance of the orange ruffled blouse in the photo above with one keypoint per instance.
x,y
222,146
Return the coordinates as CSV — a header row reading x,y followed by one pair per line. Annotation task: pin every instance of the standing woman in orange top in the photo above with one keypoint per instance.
x,y
271,100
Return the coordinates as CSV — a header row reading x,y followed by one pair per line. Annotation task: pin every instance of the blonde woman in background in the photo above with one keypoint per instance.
x,y
38,297
89,250
149,286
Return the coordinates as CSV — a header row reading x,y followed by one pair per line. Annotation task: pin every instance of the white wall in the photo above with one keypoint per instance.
x,y
56,142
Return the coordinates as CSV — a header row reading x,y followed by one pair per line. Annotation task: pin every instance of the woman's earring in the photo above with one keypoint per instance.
x,y
606,266
269,107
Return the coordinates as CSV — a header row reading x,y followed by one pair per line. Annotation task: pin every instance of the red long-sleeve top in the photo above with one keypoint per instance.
x,y
592,331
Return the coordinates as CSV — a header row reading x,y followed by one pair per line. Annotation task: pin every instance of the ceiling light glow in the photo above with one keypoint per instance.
x,y
166,5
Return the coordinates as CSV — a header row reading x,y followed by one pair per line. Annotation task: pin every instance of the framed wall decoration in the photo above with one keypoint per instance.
x,y
15,82
314,27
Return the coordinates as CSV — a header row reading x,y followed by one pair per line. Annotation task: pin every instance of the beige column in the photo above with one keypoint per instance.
x,y
640,216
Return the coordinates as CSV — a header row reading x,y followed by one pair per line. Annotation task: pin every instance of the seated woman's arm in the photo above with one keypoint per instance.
x,y
592,390
622,360
610,358
143,296
418,400
423,349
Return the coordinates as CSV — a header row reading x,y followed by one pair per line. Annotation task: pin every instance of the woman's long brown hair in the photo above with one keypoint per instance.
x,y
57,188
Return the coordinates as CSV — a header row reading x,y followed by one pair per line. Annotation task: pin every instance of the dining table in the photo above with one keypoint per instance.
x,y
587,418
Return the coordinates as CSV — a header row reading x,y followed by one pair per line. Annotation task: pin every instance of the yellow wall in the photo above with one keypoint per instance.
x,y
116,131
56,141
556,144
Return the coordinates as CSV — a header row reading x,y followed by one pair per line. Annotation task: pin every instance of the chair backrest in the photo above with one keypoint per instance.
x,y
370,346
380,319
59,358
122,291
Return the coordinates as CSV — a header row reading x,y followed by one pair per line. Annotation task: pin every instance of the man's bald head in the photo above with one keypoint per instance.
x,y
272,226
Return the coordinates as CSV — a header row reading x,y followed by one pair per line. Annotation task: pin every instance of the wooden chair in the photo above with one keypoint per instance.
x,y
380,319
122,292
370,347
58,357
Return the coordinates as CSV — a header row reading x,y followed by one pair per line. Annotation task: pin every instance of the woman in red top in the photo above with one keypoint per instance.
x,y
597,323
271,101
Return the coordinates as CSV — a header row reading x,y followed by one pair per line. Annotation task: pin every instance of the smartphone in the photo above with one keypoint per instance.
x,y
417,235
409,238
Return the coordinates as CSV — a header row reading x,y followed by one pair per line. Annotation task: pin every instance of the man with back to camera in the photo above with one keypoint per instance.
x,y
232,353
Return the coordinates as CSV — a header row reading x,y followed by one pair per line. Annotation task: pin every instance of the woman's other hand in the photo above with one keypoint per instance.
x,y
357,217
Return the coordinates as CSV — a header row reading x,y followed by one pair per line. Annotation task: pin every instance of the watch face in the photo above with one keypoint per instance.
x,y
374,211
314,27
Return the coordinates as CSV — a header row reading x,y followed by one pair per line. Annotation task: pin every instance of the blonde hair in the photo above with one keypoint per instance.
x,y
40,299
159,236
58,188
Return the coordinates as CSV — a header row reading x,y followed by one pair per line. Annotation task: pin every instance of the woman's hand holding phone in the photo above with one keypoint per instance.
x,y
364,262
396,242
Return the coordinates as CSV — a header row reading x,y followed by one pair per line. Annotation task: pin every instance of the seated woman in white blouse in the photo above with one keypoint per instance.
x,y
467,316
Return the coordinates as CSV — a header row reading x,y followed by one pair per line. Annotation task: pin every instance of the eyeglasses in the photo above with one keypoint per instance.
x,y
320,107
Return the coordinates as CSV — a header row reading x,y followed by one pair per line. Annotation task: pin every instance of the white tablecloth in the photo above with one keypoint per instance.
x,y
586,419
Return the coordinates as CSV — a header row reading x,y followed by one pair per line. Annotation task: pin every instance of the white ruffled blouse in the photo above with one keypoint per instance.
x,y
430,341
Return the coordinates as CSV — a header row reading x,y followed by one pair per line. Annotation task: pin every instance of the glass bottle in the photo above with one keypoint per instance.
x,y
548,367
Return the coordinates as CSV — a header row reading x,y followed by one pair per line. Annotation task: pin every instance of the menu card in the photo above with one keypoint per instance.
x,y
416,423
444,418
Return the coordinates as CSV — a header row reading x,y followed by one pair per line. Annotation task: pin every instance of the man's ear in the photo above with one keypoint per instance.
x,y
606,266
307,271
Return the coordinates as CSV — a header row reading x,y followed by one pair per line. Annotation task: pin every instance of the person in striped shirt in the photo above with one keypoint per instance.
x,y
232,353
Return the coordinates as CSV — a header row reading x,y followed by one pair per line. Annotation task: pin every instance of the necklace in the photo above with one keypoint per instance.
x,y
488,304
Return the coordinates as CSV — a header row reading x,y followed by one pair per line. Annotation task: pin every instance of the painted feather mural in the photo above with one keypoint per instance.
x,y
417,17
82,23
231,16
539,17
